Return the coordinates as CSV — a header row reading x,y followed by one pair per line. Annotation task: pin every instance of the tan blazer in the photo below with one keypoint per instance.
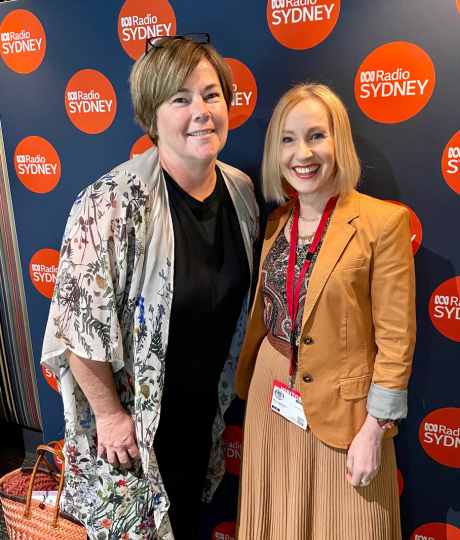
x,y
359,316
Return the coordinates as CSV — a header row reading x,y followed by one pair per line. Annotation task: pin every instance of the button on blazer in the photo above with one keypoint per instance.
x,y
358,324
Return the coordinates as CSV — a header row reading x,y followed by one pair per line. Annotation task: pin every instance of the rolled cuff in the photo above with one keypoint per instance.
x,y
386,403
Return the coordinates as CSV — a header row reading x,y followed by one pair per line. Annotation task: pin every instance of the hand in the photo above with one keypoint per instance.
x,y
116,435
365,453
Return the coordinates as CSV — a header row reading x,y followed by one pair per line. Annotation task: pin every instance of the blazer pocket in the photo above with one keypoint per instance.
x,y
349,265
355,387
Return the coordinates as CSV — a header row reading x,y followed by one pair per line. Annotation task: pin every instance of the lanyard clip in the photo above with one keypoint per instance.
x,y
292,340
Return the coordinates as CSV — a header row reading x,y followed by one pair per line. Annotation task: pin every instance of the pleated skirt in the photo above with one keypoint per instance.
x,y
294,487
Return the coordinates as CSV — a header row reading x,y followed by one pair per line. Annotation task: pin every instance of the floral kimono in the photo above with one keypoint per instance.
x,y
112,303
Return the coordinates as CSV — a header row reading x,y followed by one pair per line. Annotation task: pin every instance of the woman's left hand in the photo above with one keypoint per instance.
x,y
365,453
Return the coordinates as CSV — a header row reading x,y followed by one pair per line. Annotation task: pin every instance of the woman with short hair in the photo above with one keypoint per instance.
x,y
328,348
150,307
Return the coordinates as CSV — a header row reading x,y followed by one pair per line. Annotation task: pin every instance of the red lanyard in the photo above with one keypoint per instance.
x,y
293,296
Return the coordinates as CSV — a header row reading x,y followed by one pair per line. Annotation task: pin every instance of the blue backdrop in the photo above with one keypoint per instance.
x,y
401,161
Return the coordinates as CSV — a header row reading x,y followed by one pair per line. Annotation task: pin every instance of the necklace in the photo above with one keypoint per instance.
x,y
304,239
309,220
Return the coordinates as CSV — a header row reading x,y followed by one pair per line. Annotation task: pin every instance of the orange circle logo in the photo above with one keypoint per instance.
x,y
50,378
444,308
43,270
37,164
416,232
140,20
436,531
90,101
400,482
440,436
394,82
458,5
302,24
141,146
450,163
232,440
225,531
244,93
23,41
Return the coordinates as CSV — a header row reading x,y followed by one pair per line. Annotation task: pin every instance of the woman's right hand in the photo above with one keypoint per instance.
x,y
116,438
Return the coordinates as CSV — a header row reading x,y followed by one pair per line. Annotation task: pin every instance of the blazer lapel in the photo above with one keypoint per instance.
x,y
338,234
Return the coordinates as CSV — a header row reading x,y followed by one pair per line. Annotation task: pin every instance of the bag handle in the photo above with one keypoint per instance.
x,y
41,450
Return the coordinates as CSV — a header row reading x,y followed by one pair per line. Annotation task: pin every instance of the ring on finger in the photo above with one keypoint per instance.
x,y
364,483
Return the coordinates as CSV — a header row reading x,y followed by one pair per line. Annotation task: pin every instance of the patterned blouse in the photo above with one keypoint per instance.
x,y
274,274
112,303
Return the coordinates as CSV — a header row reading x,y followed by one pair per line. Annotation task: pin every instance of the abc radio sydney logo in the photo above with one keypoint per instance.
x,y
440,436
450,163
436,531
37,164
302,24
444,308
144,19
225,531
244,93
142,28
394,82
90,101
23,41
43,270
232,439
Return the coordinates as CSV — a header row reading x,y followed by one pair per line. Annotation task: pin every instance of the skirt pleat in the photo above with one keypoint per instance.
x,y
294,487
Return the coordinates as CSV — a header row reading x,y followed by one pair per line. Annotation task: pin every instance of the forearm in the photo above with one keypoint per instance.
x,y
96,381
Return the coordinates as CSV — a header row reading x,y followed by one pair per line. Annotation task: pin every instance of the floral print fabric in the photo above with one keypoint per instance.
x,y
112,303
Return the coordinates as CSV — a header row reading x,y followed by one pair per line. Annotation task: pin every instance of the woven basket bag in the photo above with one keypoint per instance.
x,y
28,519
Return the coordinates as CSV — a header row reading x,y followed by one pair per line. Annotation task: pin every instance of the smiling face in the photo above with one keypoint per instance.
x,y
193,124
307,153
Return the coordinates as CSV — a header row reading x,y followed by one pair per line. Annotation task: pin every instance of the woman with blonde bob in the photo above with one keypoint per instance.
x,y
328,348
150,306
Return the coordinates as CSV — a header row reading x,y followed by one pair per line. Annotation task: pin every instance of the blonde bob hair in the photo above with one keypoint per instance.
x,y
347,169
158,75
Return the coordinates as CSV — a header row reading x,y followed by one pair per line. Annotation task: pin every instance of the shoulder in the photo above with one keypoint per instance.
x,y
145,168
236,175
132,179
383,209
380,213
242,192
377,221
113,185
118,196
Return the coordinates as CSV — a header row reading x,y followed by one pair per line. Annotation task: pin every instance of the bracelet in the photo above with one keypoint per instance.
x,y
386,423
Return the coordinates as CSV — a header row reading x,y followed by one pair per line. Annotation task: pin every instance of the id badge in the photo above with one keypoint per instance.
x,y
288,404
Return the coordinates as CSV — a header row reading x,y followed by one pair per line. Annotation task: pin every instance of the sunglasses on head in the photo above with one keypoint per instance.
x,y
201,38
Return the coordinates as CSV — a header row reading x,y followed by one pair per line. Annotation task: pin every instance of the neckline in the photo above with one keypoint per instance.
x,y
189,198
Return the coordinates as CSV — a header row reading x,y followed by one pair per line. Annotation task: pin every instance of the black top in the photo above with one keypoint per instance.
x,y
211,279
